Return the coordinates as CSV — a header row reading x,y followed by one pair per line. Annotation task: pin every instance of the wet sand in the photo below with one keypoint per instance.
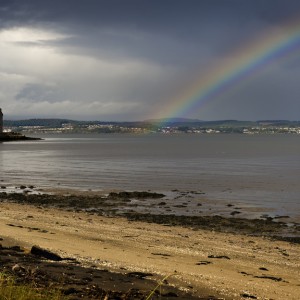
x,y
202,260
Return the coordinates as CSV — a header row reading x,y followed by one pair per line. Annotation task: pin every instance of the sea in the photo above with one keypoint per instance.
x,y
259,173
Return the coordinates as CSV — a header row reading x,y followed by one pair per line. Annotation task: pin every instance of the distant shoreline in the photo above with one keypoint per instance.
x,y
38,126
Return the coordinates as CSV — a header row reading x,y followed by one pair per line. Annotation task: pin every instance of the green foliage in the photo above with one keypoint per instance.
x,y
160,283
9,290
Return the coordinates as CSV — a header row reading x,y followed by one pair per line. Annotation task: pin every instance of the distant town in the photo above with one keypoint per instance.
x,y
174,126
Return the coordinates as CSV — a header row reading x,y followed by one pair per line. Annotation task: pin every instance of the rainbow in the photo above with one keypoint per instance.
x,y
246,62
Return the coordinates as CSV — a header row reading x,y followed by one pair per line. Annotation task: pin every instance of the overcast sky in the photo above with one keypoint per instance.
x,y
127,59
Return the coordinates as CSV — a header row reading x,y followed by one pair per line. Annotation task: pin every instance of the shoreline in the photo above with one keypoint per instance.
x,y
153,207
179,202
229,264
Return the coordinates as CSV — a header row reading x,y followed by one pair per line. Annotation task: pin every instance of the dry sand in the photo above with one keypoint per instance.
x,y
231,266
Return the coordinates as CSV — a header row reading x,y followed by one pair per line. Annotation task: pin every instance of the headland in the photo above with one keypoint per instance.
x,y
13,137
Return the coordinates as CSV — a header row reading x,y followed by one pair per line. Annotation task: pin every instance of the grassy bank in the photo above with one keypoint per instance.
x,y
9,290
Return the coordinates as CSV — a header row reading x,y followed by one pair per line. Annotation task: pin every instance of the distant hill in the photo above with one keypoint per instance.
x,y
36,122
195,122
172,120
49,122
55,123
278,122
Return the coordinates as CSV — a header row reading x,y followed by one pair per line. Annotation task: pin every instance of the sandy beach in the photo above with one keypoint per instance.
x,y
201,262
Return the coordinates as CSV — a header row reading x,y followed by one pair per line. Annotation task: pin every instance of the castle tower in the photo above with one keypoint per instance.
x,y
1,121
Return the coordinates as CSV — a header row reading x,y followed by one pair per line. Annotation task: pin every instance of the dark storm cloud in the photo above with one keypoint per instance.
x,y
189,21
176,32
119,53
168,31
174,16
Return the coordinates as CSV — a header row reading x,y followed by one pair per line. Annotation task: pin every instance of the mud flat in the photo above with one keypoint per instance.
x,y
209,257
152,207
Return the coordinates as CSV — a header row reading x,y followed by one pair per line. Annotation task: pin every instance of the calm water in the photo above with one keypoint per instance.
x,y
257,171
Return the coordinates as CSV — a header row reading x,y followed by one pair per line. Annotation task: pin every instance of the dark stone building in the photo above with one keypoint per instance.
x,y
11,136
1,121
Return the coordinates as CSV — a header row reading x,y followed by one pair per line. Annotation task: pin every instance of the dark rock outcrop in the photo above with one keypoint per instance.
x,y
38,251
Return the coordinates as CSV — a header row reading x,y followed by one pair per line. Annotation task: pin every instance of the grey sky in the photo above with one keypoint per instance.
x,y
127,59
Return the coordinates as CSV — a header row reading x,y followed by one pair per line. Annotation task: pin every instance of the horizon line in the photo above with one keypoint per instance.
x,y
167,120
